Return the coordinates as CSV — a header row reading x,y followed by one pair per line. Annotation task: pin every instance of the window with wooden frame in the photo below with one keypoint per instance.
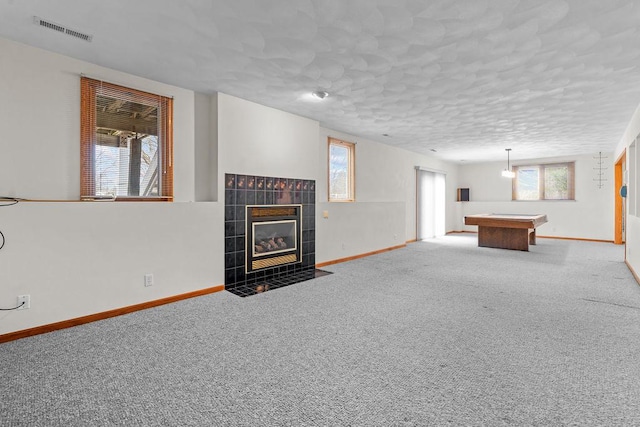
x,y
126,138
341,171
544,182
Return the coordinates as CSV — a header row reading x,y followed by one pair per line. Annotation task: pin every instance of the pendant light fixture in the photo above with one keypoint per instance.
x,y
508,173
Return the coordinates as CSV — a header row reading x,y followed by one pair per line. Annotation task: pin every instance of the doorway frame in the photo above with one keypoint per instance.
x,y
619,202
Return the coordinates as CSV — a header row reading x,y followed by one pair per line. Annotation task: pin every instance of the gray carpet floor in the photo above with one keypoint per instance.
x,y
438,333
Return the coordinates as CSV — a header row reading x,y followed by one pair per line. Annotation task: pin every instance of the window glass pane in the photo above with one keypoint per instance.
x,y
126,155
556,182
528,183
107,165
339,172
149,163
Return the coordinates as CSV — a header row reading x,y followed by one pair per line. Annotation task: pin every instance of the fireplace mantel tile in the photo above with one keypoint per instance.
x,y
243,190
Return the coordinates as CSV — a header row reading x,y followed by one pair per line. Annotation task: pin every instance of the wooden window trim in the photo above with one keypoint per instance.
x,y
88,140
541,186
352,169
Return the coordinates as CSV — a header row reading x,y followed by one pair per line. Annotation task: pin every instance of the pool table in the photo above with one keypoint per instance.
x,y
506,231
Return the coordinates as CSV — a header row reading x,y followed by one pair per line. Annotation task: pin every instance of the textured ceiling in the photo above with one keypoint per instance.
x,y
467,78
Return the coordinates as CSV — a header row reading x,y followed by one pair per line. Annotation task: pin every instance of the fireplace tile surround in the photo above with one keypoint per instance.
x,y
244,190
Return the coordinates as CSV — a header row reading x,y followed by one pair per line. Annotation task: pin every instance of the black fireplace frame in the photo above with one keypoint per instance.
x,y
277,258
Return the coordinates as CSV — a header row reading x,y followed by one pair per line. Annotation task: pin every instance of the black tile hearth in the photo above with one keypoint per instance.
x,y
276,282
244,190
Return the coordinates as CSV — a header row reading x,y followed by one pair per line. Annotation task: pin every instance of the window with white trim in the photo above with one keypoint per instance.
x,y
341,171
544,182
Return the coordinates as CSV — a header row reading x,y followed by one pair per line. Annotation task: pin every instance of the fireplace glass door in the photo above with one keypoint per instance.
x,y
273,236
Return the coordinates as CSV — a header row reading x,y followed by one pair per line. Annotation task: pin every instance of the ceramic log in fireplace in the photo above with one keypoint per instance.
x,y
273,236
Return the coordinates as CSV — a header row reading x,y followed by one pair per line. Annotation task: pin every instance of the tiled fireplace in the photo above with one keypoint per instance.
x,y
269,232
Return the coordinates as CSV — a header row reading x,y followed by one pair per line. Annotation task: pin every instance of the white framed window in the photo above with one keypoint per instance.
x,y
342,172
544,182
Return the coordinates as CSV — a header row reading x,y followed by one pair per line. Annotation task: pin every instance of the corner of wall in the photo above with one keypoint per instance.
x,y
206,147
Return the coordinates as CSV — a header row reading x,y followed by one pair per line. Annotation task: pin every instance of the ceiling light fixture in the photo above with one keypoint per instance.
x,y
320,94
508,173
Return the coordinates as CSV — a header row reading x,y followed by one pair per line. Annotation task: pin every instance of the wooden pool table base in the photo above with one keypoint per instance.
x,y
506,231
517,239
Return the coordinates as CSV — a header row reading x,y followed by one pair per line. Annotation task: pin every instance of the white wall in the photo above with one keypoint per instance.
x,y
80,258
206,147
41,121
76,259
384,214
590,216
258,140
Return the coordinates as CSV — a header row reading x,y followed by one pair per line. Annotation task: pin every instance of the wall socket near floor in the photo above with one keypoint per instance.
x,y
148,279
24,302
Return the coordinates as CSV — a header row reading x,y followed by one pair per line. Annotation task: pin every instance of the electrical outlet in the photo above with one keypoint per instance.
x,y
148,279
24,302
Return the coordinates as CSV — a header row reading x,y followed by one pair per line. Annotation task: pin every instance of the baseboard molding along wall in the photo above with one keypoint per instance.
x,y
544,237
351,258
11,336
633,272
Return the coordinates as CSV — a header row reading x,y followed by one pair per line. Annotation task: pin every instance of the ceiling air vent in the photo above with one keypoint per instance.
x,y
62,29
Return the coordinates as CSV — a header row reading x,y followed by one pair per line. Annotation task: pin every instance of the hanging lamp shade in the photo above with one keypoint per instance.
x,y
508,173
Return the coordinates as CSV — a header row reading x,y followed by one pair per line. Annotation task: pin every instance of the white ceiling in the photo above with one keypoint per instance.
x,y
467,78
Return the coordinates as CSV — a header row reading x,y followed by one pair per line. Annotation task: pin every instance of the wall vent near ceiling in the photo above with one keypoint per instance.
x,y
62,29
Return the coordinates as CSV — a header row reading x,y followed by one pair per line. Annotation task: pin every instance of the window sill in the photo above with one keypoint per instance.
x,y
127,199
546,200
91,199
145,199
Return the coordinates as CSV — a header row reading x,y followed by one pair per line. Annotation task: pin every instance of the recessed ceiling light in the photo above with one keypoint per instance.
x,y
320,94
